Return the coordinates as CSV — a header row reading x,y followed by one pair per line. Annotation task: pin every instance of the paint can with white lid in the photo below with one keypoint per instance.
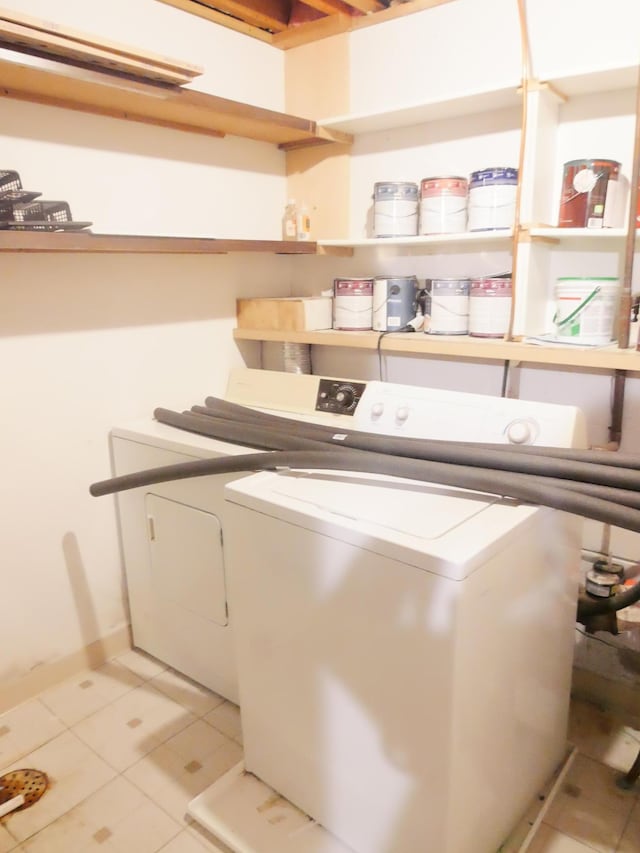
x,y
394,301
448,306
395,209
443,205
490,307
352,304
492,199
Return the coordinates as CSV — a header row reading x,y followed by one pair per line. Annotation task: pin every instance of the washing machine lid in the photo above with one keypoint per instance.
x,y
440,529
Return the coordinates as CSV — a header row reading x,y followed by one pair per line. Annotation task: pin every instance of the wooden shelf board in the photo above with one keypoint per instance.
x,y
469,239
87,242
581,235
590,82
457,347
171,106
409,114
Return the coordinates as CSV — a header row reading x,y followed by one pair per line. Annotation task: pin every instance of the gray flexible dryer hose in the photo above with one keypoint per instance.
x,y
475,479
223,408
459,454
278,439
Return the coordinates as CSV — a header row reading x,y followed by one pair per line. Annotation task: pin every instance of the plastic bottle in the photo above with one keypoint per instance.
x,y
290,221
303,223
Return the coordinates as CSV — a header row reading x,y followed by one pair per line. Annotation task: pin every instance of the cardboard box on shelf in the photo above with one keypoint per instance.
x,y
288,314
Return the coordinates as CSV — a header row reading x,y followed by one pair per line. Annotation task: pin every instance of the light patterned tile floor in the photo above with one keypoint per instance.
x,y
128,745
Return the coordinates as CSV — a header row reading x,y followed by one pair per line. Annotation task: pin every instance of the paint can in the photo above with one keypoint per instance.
x,y
443,205
586,309
395,209
394,302
352,303
490,307
492,199
590,194
448,306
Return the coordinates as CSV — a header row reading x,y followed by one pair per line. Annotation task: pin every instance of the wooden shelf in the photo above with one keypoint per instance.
x,y
59,85
585,238
408,114
87,242
457,347
472,240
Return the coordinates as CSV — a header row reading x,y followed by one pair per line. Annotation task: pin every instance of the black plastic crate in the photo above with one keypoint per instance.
x,y
44,211
35,216
9,180
18,197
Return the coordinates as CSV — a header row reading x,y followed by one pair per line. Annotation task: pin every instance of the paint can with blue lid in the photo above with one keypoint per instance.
x,y
492,199
394,302
395,209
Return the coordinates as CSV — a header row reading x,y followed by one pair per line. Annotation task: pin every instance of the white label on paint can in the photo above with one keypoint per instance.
x,y
444,214
395,218
352,303
449,310
492,207
489,315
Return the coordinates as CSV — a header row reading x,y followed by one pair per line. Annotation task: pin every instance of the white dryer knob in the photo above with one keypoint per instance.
x,y
402,413
377,409
519,432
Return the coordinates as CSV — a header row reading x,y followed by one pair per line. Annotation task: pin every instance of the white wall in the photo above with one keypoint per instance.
x,y
89,341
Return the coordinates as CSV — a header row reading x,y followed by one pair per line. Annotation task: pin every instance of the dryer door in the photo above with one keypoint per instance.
x,y
187,564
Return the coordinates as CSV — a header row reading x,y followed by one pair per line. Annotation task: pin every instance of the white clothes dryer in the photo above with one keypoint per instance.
x,y
172,534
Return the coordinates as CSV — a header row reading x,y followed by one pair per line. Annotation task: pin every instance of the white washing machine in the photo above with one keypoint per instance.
x,y
172,533
404,650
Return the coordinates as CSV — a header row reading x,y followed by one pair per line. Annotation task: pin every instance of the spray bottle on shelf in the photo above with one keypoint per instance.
x,y
290,221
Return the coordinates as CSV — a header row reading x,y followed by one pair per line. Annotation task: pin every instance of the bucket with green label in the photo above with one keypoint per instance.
x,y
586,309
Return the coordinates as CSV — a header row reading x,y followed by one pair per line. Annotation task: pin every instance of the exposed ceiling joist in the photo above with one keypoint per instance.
x,y
289,23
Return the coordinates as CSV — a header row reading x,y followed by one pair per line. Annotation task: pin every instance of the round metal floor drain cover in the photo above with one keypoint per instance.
x,y
30,783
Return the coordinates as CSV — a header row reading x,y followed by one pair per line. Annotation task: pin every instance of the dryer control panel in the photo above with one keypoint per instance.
x,y
339,396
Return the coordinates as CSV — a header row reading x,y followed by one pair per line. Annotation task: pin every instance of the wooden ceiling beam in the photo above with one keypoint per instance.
x,y
367,5
332,7
269,14
219,18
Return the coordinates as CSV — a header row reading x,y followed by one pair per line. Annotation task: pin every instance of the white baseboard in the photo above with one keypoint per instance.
x,y
47,675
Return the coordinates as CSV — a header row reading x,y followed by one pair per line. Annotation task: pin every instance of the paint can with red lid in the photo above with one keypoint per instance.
x,y
352,304
490,307
443,205
592,195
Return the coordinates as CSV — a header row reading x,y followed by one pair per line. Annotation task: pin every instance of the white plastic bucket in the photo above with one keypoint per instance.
x,y
586,309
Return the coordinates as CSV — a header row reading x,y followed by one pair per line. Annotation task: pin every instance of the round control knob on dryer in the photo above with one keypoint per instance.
x,y
402,413
345,397
377,409
519,432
